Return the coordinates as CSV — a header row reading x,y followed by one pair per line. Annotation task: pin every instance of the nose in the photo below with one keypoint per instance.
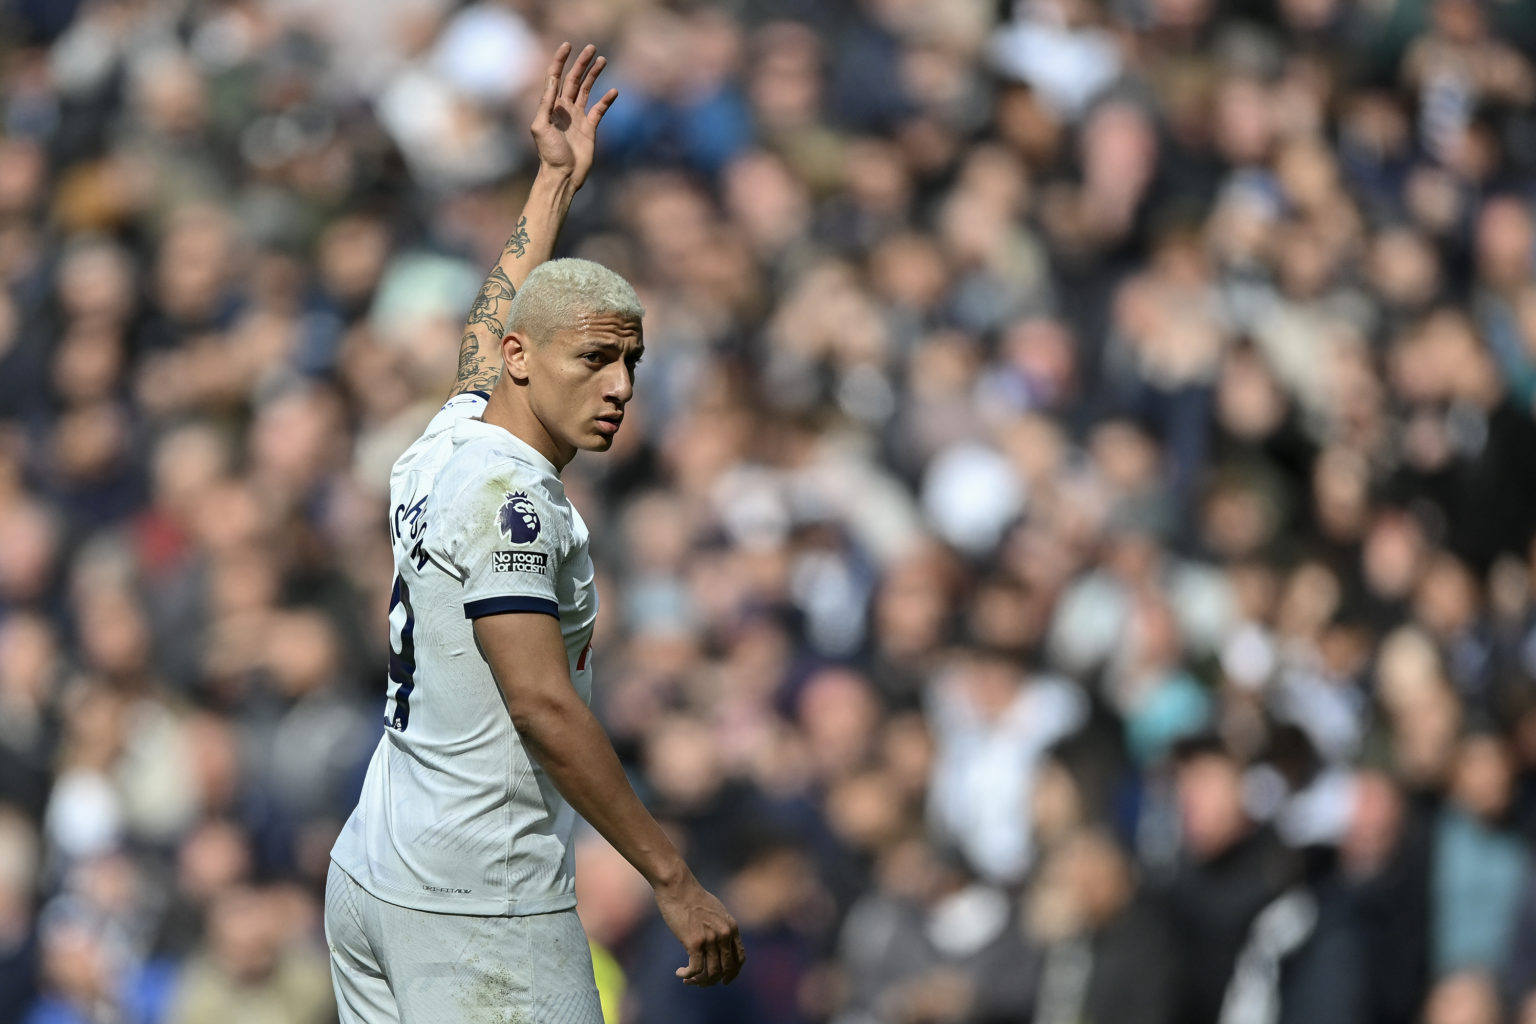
x,y
620,385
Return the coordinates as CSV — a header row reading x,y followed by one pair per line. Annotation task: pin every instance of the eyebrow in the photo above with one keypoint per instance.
x,y
612,346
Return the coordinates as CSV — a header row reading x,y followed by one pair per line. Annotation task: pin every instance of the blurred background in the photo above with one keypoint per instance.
x,y
1070,560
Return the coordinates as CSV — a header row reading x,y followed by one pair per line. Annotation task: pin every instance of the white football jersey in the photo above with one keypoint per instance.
x,y
455,816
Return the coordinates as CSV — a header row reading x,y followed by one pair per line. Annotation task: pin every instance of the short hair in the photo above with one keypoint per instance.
x,y
558,293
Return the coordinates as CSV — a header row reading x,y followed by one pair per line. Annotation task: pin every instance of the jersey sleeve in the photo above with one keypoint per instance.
x,y
509,547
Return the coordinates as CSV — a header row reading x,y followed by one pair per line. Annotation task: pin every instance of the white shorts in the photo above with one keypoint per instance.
x,y
393,965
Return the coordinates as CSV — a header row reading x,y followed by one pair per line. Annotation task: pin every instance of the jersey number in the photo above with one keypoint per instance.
x,y
402,657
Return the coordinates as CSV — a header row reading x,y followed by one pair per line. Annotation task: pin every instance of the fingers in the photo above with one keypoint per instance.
x,y
695,967
737,957
552,80
595,115
557,62
715,960
712,965
588,81
578,72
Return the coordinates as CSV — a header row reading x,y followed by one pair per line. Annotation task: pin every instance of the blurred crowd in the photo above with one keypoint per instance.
x,y
1070,560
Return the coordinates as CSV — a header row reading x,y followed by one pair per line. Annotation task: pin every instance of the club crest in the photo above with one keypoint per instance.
x,y
518,519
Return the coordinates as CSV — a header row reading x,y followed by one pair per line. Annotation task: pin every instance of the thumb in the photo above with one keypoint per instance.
x,y
695,965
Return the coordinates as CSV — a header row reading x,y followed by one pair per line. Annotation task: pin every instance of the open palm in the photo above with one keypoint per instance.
x,y
564,130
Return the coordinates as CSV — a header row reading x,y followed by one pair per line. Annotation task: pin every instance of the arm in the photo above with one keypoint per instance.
x,y
566,140
527,655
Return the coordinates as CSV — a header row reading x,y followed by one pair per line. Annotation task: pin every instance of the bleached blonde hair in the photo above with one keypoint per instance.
x,y
559,293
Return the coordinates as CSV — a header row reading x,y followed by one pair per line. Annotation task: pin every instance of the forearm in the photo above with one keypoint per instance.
x,y
531,243
538,227
565,738
570,745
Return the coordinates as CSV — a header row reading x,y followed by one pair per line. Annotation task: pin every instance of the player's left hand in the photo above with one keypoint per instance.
x,y
564,130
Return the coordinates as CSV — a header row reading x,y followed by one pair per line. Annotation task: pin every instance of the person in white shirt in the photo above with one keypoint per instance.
x,y
451,894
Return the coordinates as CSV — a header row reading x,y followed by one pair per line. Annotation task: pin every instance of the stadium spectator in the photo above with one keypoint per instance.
x,y
1081,487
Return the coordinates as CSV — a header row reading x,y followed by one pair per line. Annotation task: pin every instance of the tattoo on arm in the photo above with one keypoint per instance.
x,y
487,321
490,308
518,243
474,374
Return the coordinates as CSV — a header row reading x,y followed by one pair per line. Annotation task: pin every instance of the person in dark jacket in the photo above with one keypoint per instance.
x,y
1384,864
1108,955
1231,869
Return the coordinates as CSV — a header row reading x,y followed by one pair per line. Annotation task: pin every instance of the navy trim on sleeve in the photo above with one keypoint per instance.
x,y
483,394
510,603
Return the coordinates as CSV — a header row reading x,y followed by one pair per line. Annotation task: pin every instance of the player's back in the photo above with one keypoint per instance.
x,y
454,816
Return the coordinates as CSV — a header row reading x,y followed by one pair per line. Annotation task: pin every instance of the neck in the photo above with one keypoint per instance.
x,y
511,413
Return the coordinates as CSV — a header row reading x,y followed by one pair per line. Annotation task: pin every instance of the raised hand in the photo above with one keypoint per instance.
x,y
564,130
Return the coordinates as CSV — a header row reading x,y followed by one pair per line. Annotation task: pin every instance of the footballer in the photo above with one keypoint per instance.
x,y
451,894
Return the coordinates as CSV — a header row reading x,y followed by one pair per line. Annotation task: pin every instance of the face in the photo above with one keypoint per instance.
x,y
1483,780
1210,793
580,380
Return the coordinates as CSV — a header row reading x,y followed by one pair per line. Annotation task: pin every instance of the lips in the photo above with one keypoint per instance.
x,y
609,424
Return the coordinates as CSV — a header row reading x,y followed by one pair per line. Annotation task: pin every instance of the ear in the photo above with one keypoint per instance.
x,y
514,356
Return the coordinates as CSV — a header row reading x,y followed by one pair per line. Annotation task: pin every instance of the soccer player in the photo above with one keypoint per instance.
x,y
451,896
